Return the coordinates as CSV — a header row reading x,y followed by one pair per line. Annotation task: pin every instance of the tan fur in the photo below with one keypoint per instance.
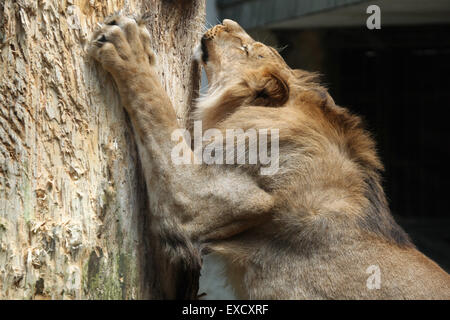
x,y
308,232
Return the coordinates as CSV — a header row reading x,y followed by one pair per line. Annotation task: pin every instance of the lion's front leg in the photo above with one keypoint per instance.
x,y
122,47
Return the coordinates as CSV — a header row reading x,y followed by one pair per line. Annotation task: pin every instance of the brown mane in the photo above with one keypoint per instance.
x,y
361,148
238,105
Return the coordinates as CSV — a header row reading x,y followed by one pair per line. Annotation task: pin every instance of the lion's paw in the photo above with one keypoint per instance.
x,y
122,44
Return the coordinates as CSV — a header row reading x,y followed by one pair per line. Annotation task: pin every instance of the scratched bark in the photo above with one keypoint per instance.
x,y
74,219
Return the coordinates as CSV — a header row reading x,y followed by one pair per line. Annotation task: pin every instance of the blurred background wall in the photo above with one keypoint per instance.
x,y
396,78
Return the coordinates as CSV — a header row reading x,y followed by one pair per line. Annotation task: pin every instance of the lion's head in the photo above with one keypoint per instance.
x,y
228,53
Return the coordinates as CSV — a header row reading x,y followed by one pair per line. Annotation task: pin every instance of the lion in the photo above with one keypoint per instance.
x,y
319,227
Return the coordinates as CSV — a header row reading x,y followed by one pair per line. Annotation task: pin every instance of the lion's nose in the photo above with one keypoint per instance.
x,y
232,25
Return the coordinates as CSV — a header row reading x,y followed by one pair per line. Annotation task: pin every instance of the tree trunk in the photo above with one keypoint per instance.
x,y
74,218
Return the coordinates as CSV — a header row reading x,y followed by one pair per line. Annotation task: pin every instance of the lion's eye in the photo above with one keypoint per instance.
x,y
245,49
260,56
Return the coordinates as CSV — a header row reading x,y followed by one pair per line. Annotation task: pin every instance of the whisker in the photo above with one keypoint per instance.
x,y
281,48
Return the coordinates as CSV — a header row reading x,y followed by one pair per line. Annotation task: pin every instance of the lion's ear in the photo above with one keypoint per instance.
x,y
269,88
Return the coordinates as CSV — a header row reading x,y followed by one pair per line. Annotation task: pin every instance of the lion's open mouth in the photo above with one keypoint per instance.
x,y
204,50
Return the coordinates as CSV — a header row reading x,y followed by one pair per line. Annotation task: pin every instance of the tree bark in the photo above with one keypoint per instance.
x,y
74,217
